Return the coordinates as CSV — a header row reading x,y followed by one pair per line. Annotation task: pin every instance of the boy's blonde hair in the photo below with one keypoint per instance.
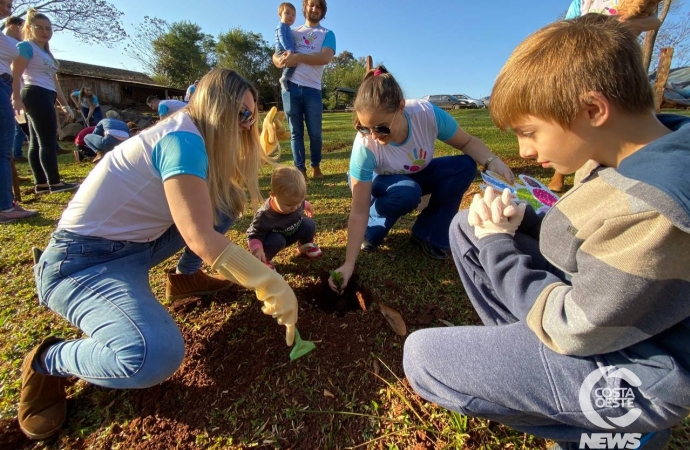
x,y
550,73
285,5
287,183
234,155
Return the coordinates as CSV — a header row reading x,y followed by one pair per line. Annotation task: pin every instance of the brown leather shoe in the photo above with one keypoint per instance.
x,y
199,283
557,181
304,172
316,172
43,401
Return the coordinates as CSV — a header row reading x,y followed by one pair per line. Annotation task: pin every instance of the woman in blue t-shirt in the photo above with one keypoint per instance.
x,y
179,183
87,102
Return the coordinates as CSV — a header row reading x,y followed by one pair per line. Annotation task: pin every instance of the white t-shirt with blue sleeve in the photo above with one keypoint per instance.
x,y
426,123
84,101
123,199
41,69
167,107
311,40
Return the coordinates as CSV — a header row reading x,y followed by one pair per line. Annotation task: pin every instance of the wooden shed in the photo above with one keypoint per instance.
x,y
118,87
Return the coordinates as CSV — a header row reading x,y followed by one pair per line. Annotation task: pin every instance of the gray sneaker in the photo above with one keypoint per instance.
x,y
16,213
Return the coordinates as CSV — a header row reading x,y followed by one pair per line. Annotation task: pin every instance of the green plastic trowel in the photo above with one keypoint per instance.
x,y
301,347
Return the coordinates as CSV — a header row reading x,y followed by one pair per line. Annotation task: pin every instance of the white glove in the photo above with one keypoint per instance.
x,y
493,214
238,265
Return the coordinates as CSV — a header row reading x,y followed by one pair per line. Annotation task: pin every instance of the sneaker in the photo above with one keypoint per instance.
x,y
43,401
367,246
310,250
63,187
316,172
197,284
430,250
16,213
42,190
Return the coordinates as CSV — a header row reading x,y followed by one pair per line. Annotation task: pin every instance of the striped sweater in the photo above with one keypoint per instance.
x,y
622,239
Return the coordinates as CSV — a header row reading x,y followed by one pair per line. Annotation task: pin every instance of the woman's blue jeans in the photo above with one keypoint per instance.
x,y
446,178
6,140
102,287
96,117
304,105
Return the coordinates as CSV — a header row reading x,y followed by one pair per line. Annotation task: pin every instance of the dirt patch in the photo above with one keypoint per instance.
x,y
237,387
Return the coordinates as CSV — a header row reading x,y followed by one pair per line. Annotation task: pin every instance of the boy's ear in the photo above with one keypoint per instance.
x,y
596,108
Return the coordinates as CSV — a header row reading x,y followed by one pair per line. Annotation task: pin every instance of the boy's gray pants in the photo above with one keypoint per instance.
x,y
502,372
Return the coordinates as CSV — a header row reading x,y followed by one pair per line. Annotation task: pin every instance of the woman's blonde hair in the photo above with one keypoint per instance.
x,y
550,73
32,15
287,183
235,155
82,95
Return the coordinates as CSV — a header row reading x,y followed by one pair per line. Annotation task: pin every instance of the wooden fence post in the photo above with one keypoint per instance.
x,y
662,71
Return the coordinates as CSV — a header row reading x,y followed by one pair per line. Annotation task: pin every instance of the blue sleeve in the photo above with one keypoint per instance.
x,y
26,51
285,38
329,41
180,152
163,109
362,162
447,126
95,101
574,10
76,93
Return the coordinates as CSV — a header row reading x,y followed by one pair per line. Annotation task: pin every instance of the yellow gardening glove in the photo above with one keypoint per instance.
x,y
238,265
282,132
273,130
493,214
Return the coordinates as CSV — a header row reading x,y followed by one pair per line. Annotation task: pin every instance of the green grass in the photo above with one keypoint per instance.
x,y
395,419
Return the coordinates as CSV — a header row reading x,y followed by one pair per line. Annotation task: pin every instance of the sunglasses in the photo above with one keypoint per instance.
x,y
247,116
381,130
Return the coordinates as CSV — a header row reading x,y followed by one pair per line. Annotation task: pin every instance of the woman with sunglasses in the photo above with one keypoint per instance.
x,y
179,183
392,166
37,67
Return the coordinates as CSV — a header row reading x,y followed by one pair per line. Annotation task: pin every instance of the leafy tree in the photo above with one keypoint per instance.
x,y
90,21
250,55
344,70
175,54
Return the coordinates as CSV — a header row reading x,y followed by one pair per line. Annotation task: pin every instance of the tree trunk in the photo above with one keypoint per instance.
x,y
662,71
650,37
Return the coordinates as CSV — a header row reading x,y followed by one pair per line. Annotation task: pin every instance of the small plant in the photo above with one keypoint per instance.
x,y
337,279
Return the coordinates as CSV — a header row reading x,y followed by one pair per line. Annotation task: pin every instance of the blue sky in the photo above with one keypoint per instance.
x,y
432,47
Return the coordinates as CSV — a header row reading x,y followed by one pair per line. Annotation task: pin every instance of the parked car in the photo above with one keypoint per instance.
x,y
446,101
471,102
486,100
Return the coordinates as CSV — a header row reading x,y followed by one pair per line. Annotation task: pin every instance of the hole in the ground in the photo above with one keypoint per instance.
x,y
320,296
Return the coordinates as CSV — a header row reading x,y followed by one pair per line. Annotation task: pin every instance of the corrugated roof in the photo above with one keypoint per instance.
x,y
106,73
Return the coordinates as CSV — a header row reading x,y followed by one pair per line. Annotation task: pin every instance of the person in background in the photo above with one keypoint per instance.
x,y
87,102
13,29
586,314
190,91
83,151
393,165
280,221
109,132
178,185
37,67
303,102
9,209
164,107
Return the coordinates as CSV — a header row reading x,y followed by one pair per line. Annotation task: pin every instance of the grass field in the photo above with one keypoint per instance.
x,y
349,393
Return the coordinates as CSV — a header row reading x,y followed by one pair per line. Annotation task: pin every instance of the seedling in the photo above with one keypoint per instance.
x,y
338,280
